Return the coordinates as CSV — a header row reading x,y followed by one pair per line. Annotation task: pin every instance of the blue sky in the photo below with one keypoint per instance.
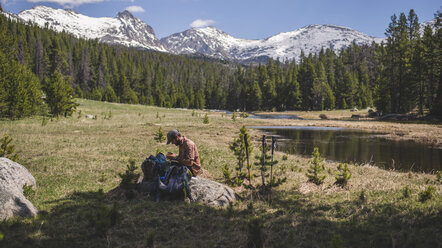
x,y
249,19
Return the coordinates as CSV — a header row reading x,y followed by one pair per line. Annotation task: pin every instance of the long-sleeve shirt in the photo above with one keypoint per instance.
x,y
189,156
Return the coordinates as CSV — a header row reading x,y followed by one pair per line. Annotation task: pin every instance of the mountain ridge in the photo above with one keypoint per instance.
x,y
126,29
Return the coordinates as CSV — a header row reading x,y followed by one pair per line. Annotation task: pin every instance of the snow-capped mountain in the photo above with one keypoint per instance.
x,y
310,39
124,29
127,30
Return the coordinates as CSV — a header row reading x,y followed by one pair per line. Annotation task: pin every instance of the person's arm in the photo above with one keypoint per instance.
x,y
171,156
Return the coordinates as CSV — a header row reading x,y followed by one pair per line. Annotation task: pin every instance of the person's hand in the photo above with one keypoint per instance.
x,y
171,155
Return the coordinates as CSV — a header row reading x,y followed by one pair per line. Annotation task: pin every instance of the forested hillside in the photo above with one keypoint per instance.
x,y
396,77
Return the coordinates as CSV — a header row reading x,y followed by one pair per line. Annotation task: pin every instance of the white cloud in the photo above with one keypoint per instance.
x,y
135,9
198,23
67,3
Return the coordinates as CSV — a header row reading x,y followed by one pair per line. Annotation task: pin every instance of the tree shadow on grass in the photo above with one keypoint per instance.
x,y
352,223
293,221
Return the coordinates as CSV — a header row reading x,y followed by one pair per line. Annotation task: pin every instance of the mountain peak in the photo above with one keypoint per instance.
x,y
125,15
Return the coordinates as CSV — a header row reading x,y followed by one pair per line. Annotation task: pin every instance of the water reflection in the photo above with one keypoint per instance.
x,y
347,145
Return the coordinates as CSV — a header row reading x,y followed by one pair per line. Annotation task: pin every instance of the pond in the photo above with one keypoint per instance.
x,y
349,145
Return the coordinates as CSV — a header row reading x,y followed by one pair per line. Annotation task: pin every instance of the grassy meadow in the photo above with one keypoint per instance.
x,y
72,158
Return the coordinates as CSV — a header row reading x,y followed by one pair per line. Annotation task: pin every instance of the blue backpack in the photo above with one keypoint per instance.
x,y
170,177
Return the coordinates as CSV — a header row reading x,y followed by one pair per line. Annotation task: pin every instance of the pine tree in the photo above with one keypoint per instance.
x,y
315,170
59,95
238,147
343,176
20,93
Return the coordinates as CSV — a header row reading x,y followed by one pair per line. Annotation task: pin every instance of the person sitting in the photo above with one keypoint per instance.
x,y
188,152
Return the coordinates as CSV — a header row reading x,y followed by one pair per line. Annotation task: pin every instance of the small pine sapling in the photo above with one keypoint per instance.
x,y
239,148
234,115
439,176
227,173
206,119
343,176
315,170
7,149
129,179
160,135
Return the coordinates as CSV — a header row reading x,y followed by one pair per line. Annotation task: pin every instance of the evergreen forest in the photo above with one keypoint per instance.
x,y
39,65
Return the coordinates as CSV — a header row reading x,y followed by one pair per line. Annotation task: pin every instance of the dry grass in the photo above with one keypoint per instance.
x,y
71,158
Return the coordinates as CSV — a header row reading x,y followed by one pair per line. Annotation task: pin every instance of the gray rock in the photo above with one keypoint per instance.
x,y
13,177
211,193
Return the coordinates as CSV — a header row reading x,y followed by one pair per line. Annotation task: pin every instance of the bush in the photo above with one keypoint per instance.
x,y
323,117
206,119
406,192
427,194
28,192
102,217
7,149
255,234
314,173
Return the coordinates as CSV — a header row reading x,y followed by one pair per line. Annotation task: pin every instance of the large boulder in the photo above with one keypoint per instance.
x,y
203,190
211,193
13,177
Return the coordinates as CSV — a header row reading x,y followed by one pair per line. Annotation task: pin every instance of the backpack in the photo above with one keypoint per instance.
x,y
166,177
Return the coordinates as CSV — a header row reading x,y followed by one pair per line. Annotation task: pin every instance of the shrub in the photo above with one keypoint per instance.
x,y
150,238
7,149
28,192
362,196
234,115
406,192
255,234
439,176
285,157
427,194
102,217
343,176
243,115
314,173
206,119
323,117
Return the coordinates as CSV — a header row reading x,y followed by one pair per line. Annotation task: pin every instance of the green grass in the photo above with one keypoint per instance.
x,y
70,157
